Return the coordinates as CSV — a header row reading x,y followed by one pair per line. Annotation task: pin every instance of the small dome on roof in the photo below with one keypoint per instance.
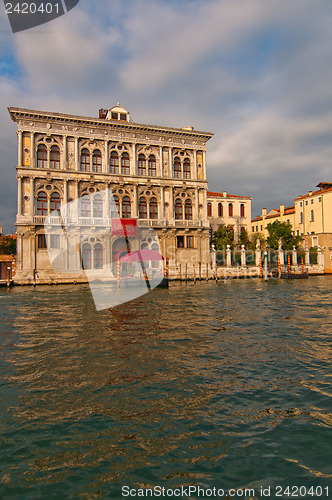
x,y
117,113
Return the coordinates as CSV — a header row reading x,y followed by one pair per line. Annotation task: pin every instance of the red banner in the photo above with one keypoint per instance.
x,y
124,227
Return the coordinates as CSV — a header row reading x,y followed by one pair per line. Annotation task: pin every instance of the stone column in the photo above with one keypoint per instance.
x,y
257,256
64,165
306,256
243,256
213,257
320,256
160,168
77,154
32,196
204,165
162,204
64,208
32,150
105,158
133,170
196,215
19,195
135,203
294,256
228,256
281,254
170,163
20,148
107,201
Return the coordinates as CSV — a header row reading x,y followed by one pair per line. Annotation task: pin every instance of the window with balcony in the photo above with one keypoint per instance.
x,y
85,206
141,165
42,208
85,160
115,207
55,158
125,164
186,168
97,206
126,207
188,210
152,169
153,209
42,156
96,161
55,203
142,208
114,163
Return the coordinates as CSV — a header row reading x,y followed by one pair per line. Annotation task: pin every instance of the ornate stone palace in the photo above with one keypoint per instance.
x,y
156,177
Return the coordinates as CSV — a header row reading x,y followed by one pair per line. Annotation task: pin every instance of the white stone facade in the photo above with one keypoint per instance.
x,y
156,174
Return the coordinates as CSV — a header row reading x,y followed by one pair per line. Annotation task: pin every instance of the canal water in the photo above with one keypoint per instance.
x,y
224,386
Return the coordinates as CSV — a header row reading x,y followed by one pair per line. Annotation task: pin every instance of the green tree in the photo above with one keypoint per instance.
x,y
244,238
8,245
280,230
222,237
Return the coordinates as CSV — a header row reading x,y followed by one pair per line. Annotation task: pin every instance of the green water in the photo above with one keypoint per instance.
x,y
225,386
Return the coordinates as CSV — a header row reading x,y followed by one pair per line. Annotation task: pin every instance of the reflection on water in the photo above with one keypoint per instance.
x,y
219,385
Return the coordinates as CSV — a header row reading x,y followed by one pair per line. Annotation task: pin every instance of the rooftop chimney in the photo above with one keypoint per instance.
x,y
282,209
263,212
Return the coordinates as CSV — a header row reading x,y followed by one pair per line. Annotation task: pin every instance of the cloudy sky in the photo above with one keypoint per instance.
x,y
257,73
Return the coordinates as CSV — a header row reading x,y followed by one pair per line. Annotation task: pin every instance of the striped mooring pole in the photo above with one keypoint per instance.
x,y
118,272
289,263
260,268
279,266
302,264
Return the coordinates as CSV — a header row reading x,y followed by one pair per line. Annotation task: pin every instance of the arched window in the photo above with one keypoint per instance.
x,y
142,208
55,158
242,212
209,209
230,209
97,206
85,206
177,168
42,156
98,256
220,210
186,168
96,161
55,203
141,165
126,207
188,210
114,163
153,209
152,170
42,204
178,209
155,247
86,256
125,164
85,160
115,207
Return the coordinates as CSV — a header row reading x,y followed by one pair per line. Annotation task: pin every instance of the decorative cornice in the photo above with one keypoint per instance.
x,y
63,118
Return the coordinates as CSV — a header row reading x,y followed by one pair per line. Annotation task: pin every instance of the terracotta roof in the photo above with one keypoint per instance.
x,y
314,193
220,195
288,211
